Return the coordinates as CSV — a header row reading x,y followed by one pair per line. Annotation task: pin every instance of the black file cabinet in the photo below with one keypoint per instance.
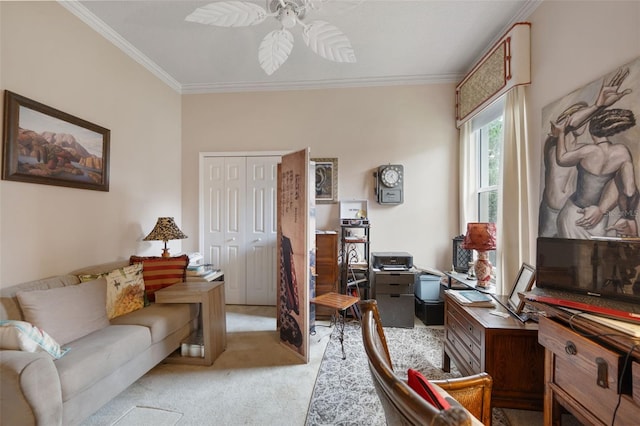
x,y
394,292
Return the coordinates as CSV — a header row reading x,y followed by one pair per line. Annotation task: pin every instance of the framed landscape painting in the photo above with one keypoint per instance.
x,y
326,180
44,145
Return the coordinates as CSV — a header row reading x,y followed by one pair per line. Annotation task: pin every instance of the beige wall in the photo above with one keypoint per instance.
x,y
49,55
364,128
572,44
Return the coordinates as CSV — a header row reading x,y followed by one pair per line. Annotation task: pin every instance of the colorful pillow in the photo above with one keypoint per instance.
x,y
426,389
67,313
161,272
125,290
20,335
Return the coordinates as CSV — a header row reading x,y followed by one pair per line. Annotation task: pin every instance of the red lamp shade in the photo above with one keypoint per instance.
x,y
480,236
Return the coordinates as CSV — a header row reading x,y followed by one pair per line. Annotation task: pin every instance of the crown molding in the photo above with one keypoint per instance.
x,y
107,32
320,84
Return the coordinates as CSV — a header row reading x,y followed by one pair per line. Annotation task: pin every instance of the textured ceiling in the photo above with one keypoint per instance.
x,y
395,42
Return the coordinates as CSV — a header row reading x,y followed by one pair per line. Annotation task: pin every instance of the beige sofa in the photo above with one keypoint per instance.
x,y
36,389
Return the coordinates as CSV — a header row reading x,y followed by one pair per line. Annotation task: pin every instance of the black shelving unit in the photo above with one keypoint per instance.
x,y
354,272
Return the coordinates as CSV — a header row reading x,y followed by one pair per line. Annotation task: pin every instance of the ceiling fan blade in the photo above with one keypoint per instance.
x,y
333,6
328,41
275,50
228,14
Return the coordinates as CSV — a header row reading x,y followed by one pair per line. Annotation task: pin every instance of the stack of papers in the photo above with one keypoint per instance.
x,y
472,298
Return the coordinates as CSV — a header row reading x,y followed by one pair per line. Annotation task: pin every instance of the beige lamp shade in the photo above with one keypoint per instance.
x,y
165,230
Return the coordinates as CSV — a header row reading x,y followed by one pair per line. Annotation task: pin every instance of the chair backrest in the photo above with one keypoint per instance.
x,y
401,404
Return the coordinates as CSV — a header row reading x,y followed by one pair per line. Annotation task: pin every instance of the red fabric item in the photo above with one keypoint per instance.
x,y
425,389
161,272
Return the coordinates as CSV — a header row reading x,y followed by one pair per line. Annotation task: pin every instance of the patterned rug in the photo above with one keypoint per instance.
x,y
344,392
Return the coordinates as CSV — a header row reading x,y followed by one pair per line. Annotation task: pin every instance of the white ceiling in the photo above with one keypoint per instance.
x,y
395,42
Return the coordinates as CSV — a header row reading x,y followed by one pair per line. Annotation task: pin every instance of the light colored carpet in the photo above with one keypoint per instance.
x,y
256,380
148,416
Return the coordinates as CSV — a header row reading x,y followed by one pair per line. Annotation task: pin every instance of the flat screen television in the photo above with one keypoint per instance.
x,y
598,267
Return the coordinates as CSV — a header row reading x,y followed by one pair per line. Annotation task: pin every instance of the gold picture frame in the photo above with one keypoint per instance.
x,y
44,145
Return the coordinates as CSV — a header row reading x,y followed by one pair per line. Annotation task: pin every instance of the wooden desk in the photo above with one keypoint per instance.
x,y
505,348
213,322
585,369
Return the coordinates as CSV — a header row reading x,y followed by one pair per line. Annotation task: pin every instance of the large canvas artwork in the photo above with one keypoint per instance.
x,y
590,170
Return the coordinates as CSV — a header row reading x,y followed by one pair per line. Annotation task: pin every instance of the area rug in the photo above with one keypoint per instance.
x,y
344,394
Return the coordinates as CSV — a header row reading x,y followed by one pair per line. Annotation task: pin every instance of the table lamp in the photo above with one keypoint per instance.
x,y
481,236
165,230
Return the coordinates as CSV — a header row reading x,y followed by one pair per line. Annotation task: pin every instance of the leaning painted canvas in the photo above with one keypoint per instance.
x,y
591,146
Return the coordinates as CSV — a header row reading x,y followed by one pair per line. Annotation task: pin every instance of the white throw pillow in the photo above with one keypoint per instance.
x,y
23,336
67,313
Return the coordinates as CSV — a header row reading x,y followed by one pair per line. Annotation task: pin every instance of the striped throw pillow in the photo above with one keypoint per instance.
x,y
161,272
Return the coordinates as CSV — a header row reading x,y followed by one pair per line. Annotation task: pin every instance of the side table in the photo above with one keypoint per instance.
x,y
339,303
212,321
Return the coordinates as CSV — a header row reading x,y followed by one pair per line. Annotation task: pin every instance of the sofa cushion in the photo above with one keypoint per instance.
x,y
24,336
162,319
9,306
98,355
67,313
161,272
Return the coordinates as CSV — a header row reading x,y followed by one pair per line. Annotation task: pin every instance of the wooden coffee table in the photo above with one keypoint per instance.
x,y
339,303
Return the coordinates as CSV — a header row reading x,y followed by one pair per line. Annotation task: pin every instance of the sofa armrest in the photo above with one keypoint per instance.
x,y
30,392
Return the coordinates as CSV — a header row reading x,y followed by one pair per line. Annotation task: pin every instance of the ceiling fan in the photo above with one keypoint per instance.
x,y
322,37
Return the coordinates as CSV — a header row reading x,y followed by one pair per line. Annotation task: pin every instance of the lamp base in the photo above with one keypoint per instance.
x,y
483,269
165,251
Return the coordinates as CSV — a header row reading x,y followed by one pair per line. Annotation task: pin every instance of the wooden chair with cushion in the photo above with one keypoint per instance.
x,y
469,397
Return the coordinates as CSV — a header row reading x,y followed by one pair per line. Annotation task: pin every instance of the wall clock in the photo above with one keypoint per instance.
x,y
389,184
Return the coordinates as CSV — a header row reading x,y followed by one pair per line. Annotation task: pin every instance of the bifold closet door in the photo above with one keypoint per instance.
x,y
262,230
239,232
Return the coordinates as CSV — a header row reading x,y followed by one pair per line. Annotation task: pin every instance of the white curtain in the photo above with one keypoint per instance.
x,y
468,201
514,214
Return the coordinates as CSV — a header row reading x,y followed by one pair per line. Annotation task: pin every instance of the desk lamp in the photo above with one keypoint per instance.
x,y
481,236
165,230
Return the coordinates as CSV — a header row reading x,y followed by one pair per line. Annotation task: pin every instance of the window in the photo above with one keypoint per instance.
x,y
489,140
487,136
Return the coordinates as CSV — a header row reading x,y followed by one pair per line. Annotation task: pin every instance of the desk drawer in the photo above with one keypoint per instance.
x,y
395,278
583,368
469,328
459,332
394,288
461,353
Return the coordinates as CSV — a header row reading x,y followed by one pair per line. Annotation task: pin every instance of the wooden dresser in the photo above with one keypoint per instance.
x,y
326,269
590,369
505,348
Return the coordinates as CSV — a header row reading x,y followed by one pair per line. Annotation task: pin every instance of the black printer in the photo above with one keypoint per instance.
x,y
392,260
